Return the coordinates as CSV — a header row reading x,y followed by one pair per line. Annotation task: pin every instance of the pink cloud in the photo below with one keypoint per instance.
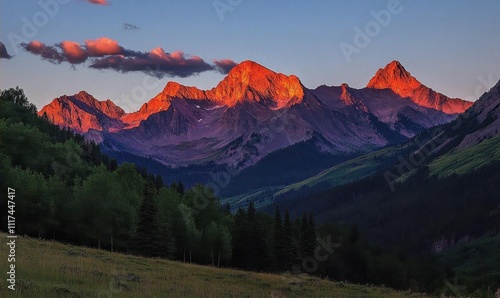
x,y
103,46
49,53
106,53
73,52
98,2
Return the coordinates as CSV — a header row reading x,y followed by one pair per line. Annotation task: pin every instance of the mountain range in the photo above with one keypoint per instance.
x,y
432,192
255,111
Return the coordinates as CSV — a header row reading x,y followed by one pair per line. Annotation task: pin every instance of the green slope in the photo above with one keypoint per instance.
x,y
465,160
51,269
348,171
476,262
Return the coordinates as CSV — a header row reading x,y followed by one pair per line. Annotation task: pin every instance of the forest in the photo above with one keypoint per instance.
x,y
68,191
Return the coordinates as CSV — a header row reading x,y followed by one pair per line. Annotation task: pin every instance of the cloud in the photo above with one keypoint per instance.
x,y
127,26
98,2
157,63
103,46
106,53
225,65
73,52
3,52
49,53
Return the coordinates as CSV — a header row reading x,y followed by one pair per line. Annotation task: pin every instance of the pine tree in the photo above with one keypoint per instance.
x,y
310,236
158,182
279,245
180,188
290,246
304,237
147,239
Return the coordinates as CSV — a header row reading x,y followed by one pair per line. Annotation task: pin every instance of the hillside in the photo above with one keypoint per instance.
x,y
52,269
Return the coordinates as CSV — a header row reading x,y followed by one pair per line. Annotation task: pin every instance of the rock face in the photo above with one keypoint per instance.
x,y
254,111
82,112
395,77
251,82
248,81
486,115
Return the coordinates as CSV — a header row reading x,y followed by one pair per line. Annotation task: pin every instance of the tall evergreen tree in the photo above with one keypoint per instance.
x,y
147,239
240,235
279,243
310,236
304,239
290,246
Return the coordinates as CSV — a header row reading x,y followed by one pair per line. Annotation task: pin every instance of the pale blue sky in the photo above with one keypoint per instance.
x,y
448,45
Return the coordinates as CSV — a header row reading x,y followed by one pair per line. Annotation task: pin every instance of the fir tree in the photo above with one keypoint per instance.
x,y
290,251
147,239
279,244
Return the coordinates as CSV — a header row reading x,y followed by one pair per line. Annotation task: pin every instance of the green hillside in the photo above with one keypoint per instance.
x,y
345,172
476,262
463,161
52,269
348,171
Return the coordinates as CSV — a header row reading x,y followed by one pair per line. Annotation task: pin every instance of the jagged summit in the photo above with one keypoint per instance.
x,y
82,112
395,77
250,81
246,82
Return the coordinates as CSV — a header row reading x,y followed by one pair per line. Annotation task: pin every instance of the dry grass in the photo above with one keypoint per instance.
x,y
51,269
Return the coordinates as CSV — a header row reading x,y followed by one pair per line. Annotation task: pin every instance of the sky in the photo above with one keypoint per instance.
x,y
109,47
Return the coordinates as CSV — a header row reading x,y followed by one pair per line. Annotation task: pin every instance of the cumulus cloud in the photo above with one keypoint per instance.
x,y
73,52
225,65
127,26
3,52
106,53
49,53
98,2
103,46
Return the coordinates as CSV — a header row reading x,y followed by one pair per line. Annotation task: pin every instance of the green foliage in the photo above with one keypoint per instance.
x,y
476,263
147,240
466,160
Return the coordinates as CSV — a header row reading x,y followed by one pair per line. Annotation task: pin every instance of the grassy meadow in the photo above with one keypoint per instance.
x,y
52,269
